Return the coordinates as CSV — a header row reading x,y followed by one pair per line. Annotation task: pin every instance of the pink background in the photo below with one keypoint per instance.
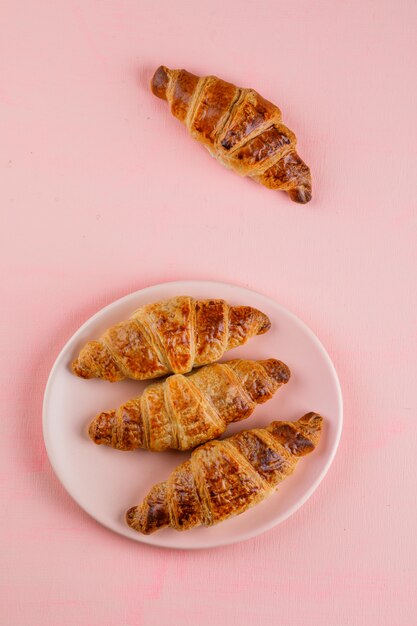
x,y
102,193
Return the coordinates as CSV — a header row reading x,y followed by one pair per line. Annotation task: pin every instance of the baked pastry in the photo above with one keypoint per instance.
x,y
170,336
184,411
225,478
238,127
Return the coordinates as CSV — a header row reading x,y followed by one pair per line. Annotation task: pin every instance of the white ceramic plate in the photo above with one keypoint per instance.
x,y
106,482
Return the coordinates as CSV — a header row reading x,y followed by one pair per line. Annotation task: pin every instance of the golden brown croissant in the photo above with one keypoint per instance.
x,y
238,127
184,411
225,478
170,336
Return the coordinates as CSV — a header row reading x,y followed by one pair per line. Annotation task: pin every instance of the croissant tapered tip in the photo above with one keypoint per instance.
x,y
145,524
300,437
301,194
311,420
264,323
80,371
101,428
160,82
133,519
311,425
95,361
278,370
131,516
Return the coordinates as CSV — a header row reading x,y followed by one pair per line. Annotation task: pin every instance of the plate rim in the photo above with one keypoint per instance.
x,y
245,535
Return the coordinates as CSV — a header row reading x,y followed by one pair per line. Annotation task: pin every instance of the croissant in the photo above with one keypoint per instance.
x,y
184,411
170,336
238,127
225,478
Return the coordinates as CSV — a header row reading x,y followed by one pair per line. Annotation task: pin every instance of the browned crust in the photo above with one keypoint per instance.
x,y
169,336
185,411
251,115
291,174
212,110
239,127
225,478
160,82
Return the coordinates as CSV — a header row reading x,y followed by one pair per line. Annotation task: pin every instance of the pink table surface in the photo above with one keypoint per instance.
x,y
103,193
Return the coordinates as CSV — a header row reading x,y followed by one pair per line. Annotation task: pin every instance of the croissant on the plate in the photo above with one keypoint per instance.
x,y
184,411
238,127
225,478
174,335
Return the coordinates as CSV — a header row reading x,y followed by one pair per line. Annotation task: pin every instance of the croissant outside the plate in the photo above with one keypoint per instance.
x,y
184,411
238,127
174,335
225,478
